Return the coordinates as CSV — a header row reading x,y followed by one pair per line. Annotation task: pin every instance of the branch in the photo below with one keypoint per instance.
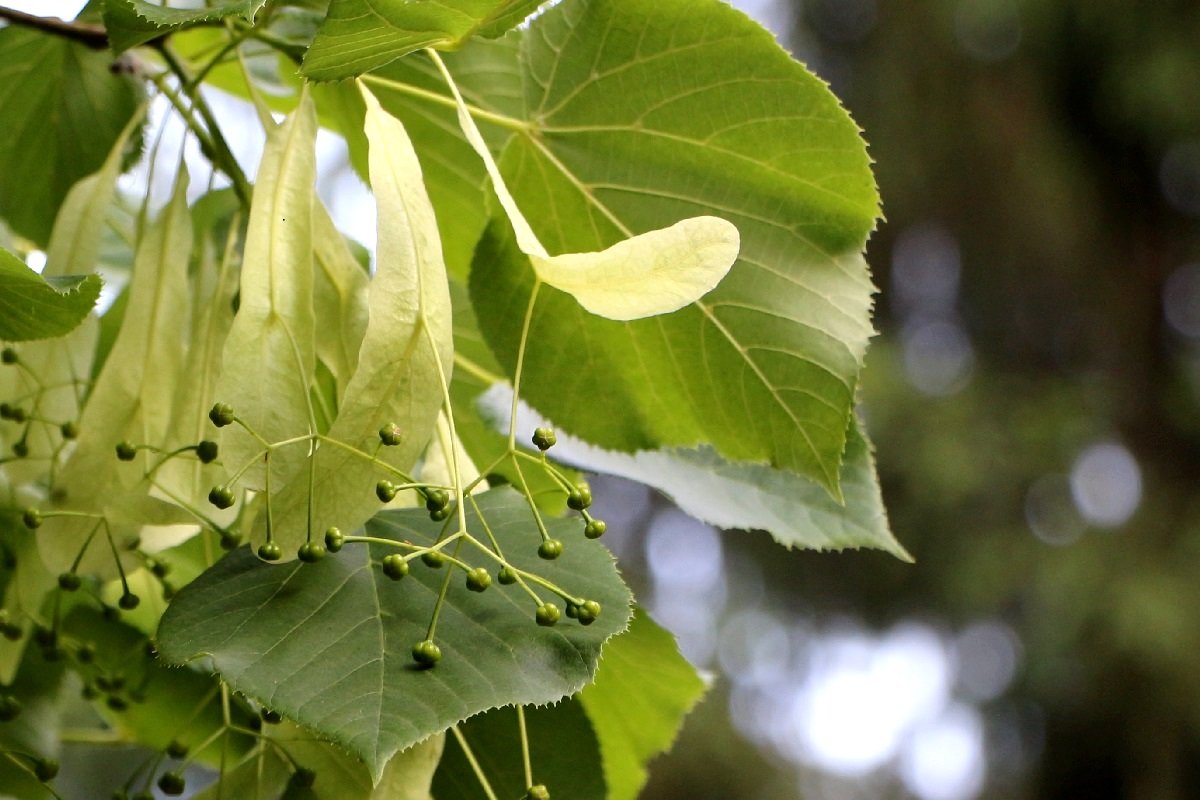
x,y
92,36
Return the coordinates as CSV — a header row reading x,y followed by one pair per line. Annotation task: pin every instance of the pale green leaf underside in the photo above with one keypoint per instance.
x,y
133,22
653,273
642,112
360,35
329,644
643,690
33,307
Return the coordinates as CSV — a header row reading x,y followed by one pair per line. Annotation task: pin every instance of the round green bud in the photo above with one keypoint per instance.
x,y
32,518
221,415
478,579
45,769
311,552
537,792
595,528
580,497
11,631
9,356
160,569
270,551
207,451
544,438
221,497
390,435
129,601
507,576
394,566
177,749
6,410
433,559
550,549
385,490
588,612
20,449
85,653
440,514
426,653
436,499
90,691
270,717
572,611
229,540
10,708
69,430
171,783
547,614
334,540
69,581
126,451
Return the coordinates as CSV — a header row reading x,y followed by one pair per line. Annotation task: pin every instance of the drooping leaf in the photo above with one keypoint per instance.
x,y
794,510
642,112
133,22
45,77
270,354
563,752
358,36
653,273
33,307
130,399
408,343
329,644
643,690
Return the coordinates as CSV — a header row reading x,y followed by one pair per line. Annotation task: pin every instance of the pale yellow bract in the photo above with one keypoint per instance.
x,y
655,272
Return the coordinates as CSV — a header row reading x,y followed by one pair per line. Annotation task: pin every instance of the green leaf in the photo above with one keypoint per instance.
x,y
642,112
339,299
38,686
270,355
563,752
33,307
794,510
653,273
329,644
358,36
63,109
643,690
133,22
406,351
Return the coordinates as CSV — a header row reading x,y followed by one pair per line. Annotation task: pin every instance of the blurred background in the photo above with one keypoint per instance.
x,y
1034,396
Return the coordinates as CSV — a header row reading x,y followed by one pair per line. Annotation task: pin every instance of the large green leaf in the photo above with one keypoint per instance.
x,y
643,690
563,753
640,113
63,109
406,348
360,35
133,22
329,644
33,307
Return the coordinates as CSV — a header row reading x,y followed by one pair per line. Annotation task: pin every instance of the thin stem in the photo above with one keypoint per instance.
x,y
466,748
512,421
93,36
525,747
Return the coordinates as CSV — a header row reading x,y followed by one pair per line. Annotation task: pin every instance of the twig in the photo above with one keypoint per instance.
x,y
93,36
